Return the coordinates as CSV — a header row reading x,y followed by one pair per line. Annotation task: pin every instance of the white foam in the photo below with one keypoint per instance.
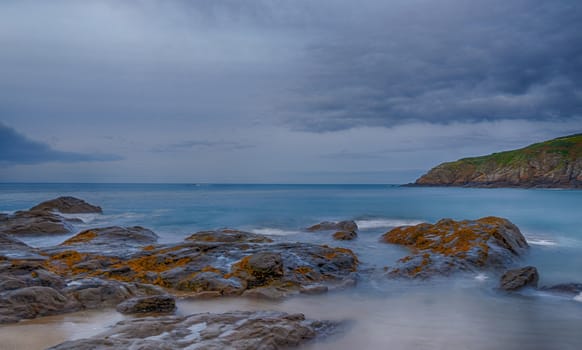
x,y
542,242
382,223
578,297
481,277
273,231
86,218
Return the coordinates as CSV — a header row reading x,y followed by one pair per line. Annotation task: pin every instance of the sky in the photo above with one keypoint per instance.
x,y
279,91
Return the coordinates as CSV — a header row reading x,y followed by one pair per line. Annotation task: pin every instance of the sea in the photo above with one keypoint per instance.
x,y
466,311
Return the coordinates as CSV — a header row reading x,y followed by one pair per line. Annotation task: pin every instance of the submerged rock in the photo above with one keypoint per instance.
x,y
262,330
347,225
449,246
516,279
68,205
12,248
150,304
345,235
572,289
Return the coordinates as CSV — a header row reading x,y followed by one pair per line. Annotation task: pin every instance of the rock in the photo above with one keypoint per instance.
x,y
150,304
348,225
35,222
31,302
112,240
553,163
228,236
572,289
245,330
449,246
67,205
345,235
12,248
515,279
95,293
217,267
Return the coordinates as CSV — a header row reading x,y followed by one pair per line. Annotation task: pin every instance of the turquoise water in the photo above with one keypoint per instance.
x,y
464,312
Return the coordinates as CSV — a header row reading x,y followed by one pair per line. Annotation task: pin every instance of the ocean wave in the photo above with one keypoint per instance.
x,y
481,277
273,231
578,297
87,218
542,242
383,223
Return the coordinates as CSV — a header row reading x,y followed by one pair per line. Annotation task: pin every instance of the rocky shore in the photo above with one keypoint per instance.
x,y
127,269
555,163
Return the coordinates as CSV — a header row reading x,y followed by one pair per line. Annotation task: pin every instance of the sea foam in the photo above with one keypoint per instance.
x,y
365,224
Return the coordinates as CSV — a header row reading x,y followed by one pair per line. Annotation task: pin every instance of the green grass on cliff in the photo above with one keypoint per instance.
x,y
569,147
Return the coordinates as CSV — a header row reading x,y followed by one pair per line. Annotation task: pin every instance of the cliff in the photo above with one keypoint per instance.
x,y
554,163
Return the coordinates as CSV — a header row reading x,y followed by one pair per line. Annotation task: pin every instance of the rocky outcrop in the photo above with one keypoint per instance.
x,y
44,218
262,330
68,205
450,246
34,222
217,268
554,163
347,225
109,241
149,304
516,279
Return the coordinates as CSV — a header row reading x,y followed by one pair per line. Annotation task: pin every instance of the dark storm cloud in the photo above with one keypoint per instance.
x,y
309,65
16,148
445,61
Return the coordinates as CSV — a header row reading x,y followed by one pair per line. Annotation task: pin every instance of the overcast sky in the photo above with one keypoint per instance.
x,y
279,91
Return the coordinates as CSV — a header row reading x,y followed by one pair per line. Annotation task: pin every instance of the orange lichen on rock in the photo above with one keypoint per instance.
x,y
83,237
458,240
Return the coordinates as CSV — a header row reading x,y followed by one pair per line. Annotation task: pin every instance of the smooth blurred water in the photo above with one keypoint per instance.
x,y
463,312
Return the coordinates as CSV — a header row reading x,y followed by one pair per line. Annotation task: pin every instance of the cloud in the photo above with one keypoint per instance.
x,y
16,148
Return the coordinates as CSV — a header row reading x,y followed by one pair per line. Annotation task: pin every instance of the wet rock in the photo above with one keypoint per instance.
x,y
12,248
150,304
35,222
572,289
516,279
245,330
217,267
67,205
229,236
345,235
112,240
31,302
94,293
259,269
450,246
347,225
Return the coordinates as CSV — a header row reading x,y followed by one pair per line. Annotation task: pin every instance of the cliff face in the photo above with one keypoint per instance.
x,y
555,163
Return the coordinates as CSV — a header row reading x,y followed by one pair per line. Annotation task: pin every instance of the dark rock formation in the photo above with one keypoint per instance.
x,y
222,268
554,163
516,279
67,205
35,222
347,225
245,330
150,304
450,246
